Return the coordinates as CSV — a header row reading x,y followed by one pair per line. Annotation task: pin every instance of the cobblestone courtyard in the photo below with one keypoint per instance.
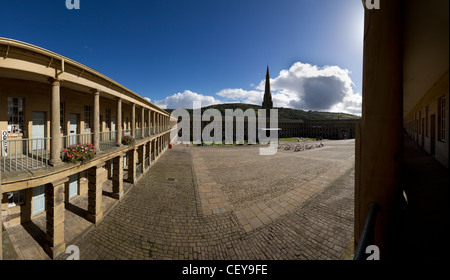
x,y
228,202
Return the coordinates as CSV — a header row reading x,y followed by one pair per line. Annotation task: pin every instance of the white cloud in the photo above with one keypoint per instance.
x,y
186,100
241,95
309,87
303,86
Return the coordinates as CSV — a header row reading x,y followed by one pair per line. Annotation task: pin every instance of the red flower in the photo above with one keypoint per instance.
x,y
64,150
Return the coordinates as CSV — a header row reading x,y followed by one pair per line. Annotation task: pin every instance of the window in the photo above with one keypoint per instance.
x,y
420,125
87,118
108,119
16,113
61,117
441,118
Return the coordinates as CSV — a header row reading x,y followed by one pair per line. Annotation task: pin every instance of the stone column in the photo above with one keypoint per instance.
x,y
141,156
143,122
119,122
96,120
149,122
95,211
26,208
154,122
131,161
55,215
55,133
133,120
117,177
149,153
379,136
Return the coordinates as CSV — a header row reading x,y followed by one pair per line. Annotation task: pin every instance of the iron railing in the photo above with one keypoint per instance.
x,y
107,140
138,133
22,154
31,153
368,234
76,139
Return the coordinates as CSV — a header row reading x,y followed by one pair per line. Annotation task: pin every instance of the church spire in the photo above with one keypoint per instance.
x,y
267,101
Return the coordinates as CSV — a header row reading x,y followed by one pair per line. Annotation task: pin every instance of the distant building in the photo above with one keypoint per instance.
x,y
326,129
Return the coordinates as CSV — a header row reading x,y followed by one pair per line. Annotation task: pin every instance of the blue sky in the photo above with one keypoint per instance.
x,y
216,51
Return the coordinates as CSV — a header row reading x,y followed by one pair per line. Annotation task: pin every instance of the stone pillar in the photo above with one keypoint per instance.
x,y
95,211
379,140
143,122
55,215
55,133
133,120
131,161
154,122
110,169
149,122
96,120
119,122
141,156
148,149
26,208
117,177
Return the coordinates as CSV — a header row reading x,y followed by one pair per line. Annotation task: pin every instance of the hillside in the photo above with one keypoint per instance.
x,y
283,113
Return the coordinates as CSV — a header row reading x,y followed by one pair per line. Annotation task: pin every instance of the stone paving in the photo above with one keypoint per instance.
x,y
227,202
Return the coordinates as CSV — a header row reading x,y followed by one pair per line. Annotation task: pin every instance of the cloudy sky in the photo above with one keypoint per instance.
x,y
174,52
302,86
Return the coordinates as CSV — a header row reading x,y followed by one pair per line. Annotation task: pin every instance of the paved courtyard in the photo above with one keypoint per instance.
x,y
228,202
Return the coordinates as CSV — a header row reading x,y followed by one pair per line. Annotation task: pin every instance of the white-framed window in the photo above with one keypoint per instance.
x,y
108,119
87,118
16,114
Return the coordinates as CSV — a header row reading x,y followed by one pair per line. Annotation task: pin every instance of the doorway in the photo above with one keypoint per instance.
x,y
73,129
38,131
432,134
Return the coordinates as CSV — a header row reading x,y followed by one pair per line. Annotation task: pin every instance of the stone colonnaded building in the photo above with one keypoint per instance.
x,y
49,103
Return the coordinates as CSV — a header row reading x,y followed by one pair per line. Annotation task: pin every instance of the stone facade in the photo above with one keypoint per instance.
x,y
50,103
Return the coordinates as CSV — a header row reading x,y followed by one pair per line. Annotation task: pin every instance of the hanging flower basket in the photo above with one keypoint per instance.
x,y
128,140
79,153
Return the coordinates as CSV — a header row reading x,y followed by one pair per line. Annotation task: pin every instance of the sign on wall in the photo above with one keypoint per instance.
x,y
4,143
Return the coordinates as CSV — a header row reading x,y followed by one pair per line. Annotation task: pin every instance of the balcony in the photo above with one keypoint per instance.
x,y
18,155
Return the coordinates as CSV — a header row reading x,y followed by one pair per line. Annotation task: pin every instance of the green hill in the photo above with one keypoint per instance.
x,y
283,113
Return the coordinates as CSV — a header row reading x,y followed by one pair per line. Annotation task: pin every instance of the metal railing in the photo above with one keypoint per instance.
x,y
126,132
368,233
139,169
22,154
30,153
107,140
138,133
75,139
